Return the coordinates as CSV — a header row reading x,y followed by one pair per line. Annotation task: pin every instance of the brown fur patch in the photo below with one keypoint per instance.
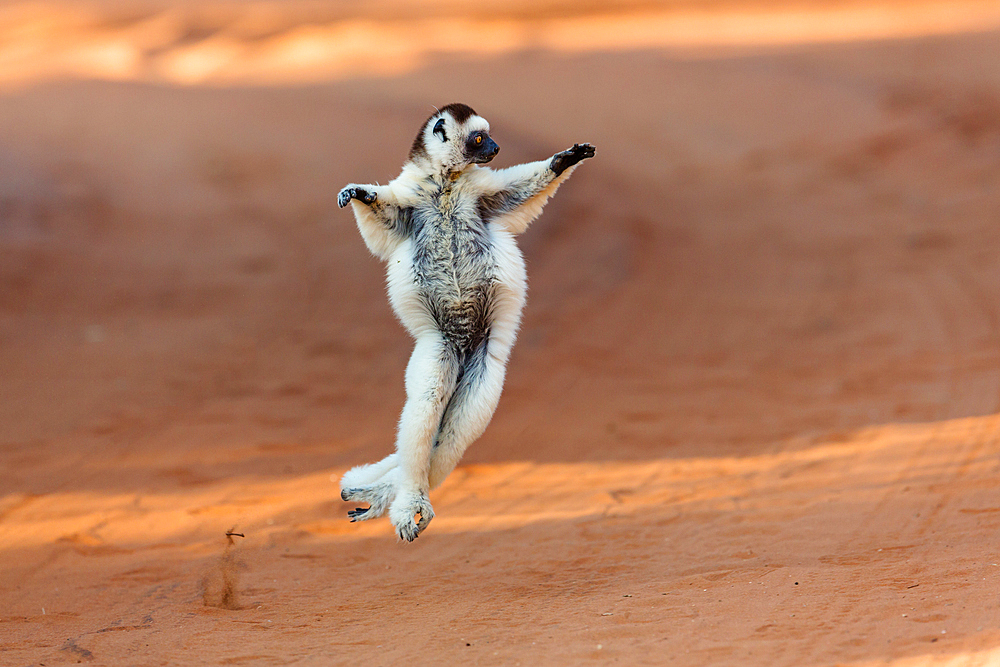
x,y
460,112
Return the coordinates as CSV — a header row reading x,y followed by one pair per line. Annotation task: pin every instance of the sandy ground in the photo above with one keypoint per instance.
x,y
752,418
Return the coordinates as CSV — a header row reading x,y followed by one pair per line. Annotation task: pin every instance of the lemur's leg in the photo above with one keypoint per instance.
x,y
364,475
470,409
379,495
374,483
475,400
431,376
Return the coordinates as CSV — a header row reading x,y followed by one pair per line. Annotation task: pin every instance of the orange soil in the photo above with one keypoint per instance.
x,y
752,418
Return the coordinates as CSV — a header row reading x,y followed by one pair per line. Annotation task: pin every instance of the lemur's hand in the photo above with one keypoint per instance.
x,y
565,159
354,192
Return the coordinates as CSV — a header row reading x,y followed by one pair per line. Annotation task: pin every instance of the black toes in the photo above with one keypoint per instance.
x,y
362,195
346,195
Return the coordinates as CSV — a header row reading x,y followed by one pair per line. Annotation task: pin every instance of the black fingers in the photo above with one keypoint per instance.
x,y
362,195
564,160
585,150
357,513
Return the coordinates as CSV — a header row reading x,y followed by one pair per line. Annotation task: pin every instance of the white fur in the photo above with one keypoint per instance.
x,y
401,482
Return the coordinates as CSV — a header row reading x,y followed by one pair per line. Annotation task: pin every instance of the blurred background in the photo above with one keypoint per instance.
x,y
791,228
789,236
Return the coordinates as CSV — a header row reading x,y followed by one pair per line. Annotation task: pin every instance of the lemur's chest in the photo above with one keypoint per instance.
x,y
454,269
457,248
451,239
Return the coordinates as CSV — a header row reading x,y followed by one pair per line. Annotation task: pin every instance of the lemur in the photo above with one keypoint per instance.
x,y
457,282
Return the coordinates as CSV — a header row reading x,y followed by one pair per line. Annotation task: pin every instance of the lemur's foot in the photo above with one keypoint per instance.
x,y
403,510
565,159
378,497
354,192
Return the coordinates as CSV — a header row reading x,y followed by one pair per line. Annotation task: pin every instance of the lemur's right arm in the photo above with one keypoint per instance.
x,y
514,197
382,220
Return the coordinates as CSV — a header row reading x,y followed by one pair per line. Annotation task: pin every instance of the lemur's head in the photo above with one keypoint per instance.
x,y
453,138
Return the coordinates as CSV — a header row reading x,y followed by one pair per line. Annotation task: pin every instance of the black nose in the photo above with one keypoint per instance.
x,y
492,149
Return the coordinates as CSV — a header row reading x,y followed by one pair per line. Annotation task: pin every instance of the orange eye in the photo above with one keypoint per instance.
x,y
479,139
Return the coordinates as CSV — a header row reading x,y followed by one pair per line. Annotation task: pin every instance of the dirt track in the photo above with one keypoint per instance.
x,y
752,417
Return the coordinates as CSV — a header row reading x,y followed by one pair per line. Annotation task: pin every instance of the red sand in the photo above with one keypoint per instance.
x,y
752,418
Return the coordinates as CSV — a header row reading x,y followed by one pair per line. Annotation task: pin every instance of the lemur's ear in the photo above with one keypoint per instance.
x,y
439,129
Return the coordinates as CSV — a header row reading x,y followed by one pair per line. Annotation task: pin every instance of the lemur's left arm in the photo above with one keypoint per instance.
x,y
382,220
515,196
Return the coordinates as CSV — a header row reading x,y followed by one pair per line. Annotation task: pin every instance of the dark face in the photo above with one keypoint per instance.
x,y
479,148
